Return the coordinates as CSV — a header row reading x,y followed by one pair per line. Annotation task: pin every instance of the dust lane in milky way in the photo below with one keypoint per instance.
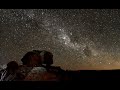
x,y
78,38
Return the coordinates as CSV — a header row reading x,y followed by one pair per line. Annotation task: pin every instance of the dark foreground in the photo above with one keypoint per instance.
x,y
94,74
75,79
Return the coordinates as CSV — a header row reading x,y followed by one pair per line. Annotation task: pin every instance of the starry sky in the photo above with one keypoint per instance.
x,y
78,38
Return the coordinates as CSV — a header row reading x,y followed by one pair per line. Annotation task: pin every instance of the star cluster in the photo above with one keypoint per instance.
x,y
76,37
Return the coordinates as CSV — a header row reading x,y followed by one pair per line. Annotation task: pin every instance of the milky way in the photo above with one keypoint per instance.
x,y
76,37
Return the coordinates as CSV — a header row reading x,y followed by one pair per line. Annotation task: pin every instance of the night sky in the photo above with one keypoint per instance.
x,y
78,38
